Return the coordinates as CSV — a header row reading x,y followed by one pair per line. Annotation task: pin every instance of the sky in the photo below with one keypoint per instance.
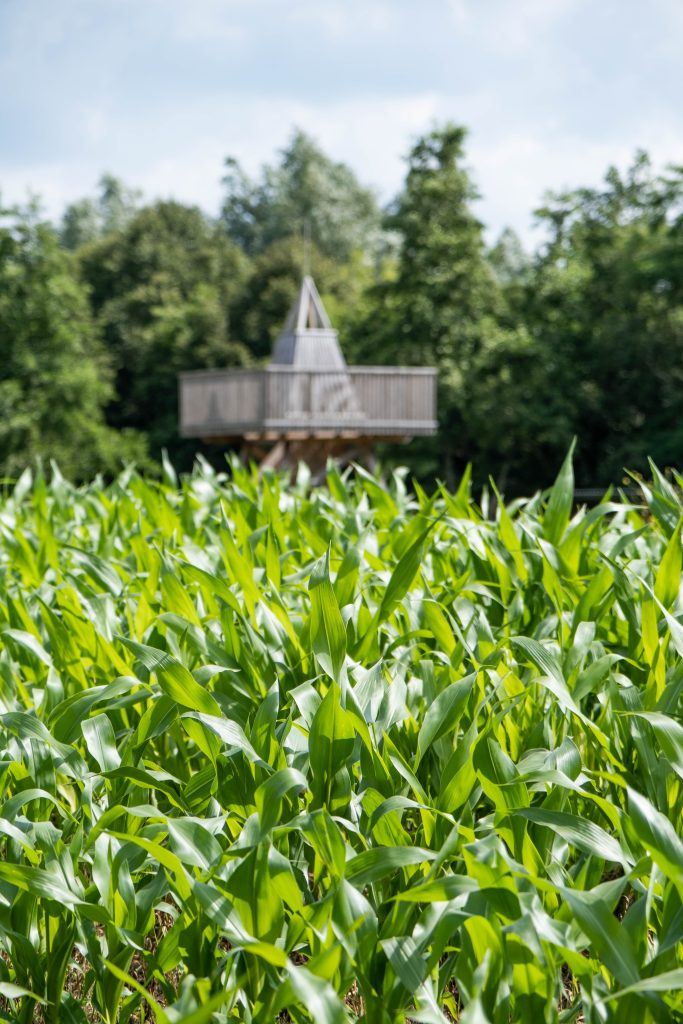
x,y
159,92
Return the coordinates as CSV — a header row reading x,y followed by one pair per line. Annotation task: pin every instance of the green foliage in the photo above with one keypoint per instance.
x,y
583,338
610,288
267,219
161,290
305,187
55,377
432,305
344,753
86,220
442,305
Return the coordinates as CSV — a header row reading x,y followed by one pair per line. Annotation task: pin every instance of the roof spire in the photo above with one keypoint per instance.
x,y
308,312
308,338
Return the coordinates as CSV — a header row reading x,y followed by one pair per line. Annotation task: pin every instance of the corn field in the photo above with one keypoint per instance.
x,y
271,752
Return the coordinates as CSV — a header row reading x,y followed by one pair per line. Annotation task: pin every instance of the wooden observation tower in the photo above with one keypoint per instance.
x,y
307,404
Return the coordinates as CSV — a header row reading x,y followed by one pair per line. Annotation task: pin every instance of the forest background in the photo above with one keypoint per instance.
x,y
582,337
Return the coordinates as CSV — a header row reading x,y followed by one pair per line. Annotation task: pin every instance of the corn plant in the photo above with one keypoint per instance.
x,y
276,752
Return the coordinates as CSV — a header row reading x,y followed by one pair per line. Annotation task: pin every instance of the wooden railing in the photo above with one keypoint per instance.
x,y
277,400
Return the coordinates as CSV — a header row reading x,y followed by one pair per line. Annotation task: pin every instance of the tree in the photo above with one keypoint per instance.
x,y
436,304
55,378
305,187
509,260
607,300
520,417
86,220
426,307
162,289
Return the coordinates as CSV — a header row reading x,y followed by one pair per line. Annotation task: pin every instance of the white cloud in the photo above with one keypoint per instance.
x,y
516,171
510,27
513,169
210,19
56,184
371,135
159,93
95,122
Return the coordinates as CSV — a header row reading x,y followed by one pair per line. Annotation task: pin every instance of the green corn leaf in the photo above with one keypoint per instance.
x,y
668,578
580,832
174,679
658,836
559,507
608,938
372,865
669,735
443,715
403,575
101,742
316,995
327,627
668,981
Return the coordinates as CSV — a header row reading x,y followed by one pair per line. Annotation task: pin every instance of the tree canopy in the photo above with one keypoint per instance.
x,y
55,372
305,187
162,289
440,301
605,308
89,219
583,337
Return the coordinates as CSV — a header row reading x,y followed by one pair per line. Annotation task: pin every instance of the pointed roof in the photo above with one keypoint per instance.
x,y
308,312
308,339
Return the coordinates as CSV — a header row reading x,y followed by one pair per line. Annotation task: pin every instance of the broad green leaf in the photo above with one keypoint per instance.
x,y
101,742
580,832
327,627
231,733
668,981
30,643
331,741
193,844
559,507
371,865
174,679
404,957
443,714
316,995
271,792
668,578
669,735
11,991
440,890
403,575
657,835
